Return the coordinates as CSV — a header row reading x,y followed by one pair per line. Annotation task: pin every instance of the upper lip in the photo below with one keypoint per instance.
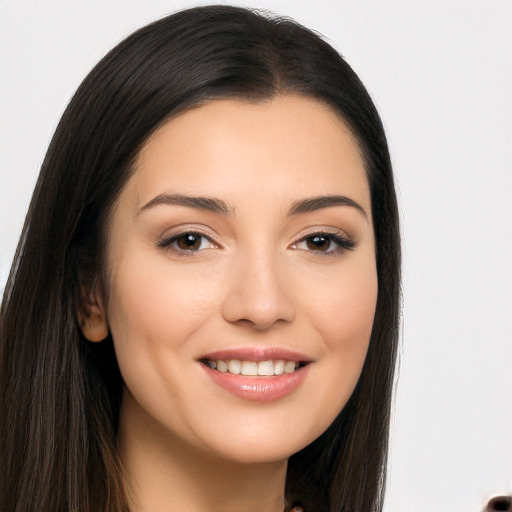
x,y
257,354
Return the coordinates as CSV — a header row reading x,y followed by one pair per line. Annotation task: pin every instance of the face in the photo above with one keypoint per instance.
x,y
242,278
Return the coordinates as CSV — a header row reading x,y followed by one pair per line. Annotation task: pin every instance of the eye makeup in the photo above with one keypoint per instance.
x,y
187,243
192,242
325,243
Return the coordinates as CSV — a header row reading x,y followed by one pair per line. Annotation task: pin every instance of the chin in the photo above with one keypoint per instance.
x,y
256,441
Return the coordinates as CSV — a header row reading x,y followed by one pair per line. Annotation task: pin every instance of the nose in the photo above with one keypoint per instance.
x,y
258,293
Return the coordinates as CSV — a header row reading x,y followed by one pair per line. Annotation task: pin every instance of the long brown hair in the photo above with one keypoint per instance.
x,y
60,395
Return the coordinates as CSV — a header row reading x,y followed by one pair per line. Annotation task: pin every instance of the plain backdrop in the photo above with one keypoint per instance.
x,y
440,73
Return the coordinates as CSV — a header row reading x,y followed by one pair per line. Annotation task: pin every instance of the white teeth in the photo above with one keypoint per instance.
x,y
289,367
265,368
253,368
221,366
234,366
249,368
279,367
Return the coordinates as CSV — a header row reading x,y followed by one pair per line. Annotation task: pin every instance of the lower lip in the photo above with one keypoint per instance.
x,y
260,389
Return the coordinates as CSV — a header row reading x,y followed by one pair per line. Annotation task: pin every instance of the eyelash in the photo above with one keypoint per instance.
x,y
170,243
341,243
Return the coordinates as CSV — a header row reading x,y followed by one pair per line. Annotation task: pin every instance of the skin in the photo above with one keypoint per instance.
x,y
254,280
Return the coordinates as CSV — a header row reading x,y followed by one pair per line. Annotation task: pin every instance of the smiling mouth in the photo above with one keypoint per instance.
x,y
268,368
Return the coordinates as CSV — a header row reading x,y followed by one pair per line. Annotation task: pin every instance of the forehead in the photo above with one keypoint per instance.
x,y
288,146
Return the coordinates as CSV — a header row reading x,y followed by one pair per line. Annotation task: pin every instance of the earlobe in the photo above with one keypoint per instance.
x,y
92,317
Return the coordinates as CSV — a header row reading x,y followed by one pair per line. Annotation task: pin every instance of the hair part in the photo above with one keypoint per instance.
x,y
59,394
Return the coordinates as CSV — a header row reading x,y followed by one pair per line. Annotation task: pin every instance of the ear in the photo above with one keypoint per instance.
x,y
92,317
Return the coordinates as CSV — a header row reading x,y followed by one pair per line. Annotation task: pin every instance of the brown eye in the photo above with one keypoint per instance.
x,y
189,242
325,243
318,243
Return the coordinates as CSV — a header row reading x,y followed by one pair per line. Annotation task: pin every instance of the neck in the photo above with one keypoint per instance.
x,y
165,473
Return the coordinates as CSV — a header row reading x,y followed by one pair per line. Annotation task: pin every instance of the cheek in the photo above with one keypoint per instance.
x,y
340,310
153,313
351,312
345,311
158,298
344,320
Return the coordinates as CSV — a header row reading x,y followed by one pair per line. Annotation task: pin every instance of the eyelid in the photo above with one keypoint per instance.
x,y
165,241
343,241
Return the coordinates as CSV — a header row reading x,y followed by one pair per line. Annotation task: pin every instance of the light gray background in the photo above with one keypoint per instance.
x,y
440,73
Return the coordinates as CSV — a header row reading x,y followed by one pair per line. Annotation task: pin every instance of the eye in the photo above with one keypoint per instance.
x,y
324,243
187,242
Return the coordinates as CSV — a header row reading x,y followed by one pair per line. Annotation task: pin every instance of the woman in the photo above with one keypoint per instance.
x,y
202,312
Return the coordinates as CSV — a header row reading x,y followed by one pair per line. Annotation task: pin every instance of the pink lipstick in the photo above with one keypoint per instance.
x,y
257,373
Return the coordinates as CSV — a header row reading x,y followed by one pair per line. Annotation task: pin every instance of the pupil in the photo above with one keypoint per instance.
x,y
188,242
318,243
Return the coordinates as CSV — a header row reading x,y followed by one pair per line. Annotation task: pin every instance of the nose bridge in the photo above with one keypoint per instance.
x,y
258,291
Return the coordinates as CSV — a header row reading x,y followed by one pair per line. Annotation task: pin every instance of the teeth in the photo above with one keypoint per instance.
x,y
265,368
279,367
234,366
289,367
221,365
249,368
253,368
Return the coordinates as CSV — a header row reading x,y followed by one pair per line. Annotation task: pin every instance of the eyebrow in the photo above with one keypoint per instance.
x,y
209,204
220,207
317,203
